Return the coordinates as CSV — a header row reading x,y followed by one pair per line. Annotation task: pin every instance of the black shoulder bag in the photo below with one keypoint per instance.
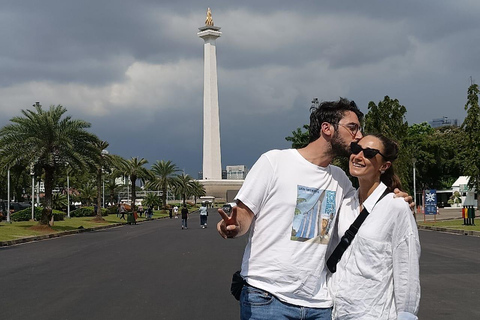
x,y
348,238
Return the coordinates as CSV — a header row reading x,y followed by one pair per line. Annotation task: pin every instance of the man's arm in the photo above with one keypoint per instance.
x,y
237,224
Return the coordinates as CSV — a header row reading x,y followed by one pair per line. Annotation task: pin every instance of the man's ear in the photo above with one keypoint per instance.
x,y
327,129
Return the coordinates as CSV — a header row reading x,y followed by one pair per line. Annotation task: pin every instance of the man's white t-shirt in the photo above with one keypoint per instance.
x,y
295,204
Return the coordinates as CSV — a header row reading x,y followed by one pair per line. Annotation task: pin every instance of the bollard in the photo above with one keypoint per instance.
x,y
464,215
471,216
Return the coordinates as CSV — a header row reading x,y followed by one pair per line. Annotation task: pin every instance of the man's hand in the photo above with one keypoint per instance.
x,y
398,193
237,224
228,227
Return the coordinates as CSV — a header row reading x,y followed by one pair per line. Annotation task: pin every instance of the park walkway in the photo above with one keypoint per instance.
x,y
156,270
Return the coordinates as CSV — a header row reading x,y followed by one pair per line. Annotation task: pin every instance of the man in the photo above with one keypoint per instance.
x,y
184,216
289,200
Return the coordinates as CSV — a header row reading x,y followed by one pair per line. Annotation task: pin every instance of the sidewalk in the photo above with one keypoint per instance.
x,y
443,214
446,214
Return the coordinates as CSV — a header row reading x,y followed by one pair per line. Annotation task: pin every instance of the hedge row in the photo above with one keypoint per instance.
x,y
26,214
87,212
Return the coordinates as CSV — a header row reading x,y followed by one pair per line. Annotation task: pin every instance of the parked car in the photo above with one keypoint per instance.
x,y
14,207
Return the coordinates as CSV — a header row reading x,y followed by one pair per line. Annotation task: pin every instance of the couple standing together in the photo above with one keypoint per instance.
x,y
297,206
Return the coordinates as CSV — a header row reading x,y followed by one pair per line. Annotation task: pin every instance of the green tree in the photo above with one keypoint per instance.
x,y
164,172
299,138
151,199
388,119
47,140
134,169
59,201
198,189
471,127
88,194
183,186
112,187
105,162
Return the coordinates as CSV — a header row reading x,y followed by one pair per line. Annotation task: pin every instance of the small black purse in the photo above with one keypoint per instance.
x,y
237,284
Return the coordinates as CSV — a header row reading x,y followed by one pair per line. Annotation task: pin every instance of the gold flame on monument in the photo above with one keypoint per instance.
x,y
209,20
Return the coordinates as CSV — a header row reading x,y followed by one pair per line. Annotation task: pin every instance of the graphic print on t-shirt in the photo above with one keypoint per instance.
x,y
313,214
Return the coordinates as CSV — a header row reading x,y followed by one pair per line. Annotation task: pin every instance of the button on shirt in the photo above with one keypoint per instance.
x,y
378,275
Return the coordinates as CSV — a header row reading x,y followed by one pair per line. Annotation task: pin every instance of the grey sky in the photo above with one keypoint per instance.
x,y
134,69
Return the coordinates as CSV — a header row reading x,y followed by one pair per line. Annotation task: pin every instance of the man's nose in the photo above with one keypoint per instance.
x,y
358,135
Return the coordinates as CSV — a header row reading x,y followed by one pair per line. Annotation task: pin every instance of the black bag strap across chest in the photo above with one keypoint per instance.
x,y
348,237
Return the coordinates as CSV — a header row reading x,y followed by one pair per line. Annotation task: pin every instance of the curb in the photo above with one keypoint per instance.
x,y
66,233
453,231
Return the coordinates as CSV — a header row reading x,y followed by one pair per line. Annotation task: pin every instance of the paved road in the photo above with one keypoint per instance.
x,y
450,276
155,270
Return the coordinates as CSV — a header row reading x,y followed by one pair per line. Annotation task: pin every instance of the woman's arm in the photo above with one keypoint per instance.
x,y
406,278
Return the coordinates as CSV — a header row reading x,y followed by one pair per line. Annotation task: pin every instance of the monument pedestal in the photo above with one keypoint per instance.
x,y
222,190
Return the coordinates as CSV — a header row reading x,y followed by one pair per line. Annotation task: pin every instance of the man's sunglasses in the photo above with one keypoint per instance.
x,y
368,153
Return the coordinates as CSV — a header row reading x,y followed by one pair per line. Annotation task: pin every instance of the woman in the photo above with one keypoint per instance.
x,y
378,275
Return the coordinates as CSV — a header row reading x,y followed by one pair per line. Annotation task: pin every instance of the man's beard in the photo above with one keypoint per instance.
x,y
339,147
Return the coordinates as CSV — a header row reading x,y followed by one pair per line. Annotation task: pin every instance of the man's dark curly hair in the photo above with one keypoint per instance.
x,y
331,112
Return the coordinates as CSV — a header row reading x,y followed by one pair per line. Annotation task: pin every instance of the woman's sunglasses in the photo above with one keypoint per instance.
x,y
368,153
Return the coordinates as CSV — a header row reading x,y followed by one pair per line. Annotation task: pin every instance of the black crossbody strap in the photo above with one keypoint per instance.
x,y
348,237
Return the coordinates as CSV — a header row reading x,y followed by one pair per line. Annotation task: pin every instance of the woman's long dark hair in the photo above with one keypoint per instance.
x,y
390,151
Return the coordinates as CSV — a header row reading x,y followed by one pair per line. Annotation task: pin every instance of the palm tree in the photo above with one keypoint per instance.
x,y
183,186
164,175
47,141
105,161
135,170
59,201
88,194
151,199
198,190
112,187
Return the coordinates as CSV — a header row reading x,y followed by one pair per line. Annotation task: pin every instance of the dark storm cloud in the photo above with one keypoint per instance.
x,y
134,69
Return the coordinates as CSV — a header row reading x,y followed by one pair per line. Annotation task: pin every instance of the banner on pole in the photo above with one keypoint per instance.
x,y
431,201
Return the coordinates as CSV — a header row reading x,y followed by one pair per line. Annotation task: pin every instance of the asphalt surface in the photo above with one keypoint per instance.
x,y
155,270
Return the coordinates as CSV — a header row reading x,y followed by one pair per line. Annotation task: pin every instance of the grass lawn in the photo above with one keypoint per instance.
x,y
453,224
23,229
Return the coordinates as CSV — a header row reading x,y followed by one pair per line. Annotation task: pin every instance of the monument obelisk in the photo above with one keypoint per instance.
x,y
212,161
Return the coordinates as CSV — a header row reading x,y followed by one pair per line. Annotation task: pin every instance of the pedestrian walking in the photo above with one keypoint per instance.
x,y
175,211
122,212
184,216
203,215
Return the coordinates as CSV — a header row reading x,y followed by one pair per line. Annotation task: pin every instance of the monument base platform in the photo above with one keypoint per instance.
x,y
222,190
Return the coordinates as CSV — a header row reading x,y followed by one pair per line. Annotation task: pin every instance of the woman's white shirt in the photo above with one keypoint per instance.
x,y
378,275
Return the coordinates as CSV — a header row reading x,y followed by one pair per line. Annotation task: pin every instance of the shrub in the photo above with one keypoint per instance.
x,y
110,210
86,212
26,214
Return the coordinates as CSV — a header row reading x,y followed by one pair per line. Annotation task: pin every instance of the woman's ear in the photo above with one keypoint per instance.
x,y
385,166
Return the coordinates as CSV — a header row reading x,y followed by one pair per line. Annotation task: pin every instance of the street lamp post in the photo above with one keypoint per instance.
x,y
103,189
104,153
68,195
414,160
38,192
8,196
32,173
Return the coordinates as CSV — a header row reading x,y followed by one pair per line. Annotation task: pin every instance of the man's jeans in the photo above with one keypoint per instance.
x,y
256,304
